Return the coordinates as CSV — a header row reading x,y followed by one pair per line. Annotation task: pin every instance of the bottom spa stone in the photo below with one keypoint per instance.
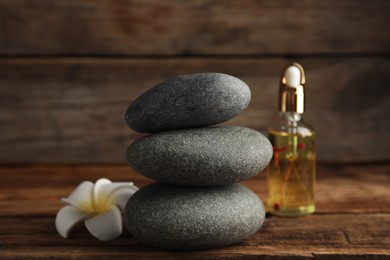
x,y
185,218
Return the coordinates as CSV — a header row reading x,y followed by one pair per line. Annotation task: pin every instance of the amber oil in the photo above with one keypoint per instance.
x,y
291,173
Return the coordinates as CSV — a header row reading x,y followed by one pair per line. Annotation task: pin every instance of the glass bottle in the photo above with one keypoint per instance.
x,y
291,172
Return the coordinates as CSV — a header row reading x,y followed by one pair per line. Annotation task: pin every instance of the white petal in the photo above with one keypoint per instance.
x,y
106,189
67,218
99,184
107,225
121,195
82,196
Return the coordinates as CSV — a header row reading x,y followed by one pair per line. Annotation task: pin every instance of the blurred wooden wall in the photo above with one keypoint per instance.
x,y
70,68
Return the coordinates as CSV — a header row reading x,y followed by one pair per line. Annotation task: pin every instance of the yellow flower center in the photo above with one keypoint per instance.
x,y
102,204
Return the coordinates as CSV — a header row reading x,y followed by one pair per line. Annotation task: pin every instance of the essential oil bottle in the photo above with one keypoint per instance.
x,y
292,171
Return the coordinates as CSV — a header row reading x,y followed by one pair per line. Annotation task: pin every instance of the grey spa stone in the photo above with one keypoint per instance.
x,y
185,218
188,101
201,156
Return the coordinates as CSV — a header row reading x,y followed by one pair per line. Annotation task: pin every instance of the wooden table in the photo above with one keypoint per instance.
x,y
353,217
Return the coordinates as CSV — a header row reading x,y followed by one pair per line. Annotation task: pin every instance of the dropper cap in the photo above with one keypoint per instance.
x,y
292,91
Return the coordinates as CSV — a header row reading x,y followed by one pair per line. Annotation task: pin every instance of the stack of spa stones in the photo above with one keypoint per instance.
x,y
196,202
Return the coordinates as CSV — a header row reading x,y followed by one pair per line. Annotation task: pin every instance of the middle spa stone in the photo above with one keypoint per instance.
x,y
201,156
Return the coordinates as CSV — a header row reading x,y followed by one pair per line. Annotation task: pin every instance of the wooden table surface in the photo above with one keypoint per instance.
x,y
352,219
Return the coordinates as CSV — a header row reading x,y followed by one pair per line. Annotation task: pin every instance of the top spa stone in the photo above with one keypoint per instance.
x,y
188,101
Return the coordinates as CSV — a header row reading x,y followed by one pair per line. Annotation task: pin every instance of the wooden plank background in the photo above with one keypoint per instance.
x,y
225,27
69,69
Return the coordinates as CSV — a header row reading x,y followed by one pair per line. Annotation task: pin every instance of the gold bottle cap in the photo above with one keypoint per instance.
x,y
292,91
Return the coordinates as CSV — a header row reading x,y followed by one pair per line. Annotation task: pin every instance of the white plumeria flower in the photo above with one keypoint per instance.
x,y
100,205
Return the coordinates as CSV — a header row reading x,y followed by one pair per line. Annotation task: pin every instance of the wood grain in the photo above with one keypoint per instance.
x,y
205,27
353,218
72,110
318,234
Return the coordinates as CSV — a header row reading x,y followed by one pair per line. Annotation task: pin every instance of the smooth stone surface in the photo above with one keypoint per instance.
x,y
188,101
202,156
177,217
